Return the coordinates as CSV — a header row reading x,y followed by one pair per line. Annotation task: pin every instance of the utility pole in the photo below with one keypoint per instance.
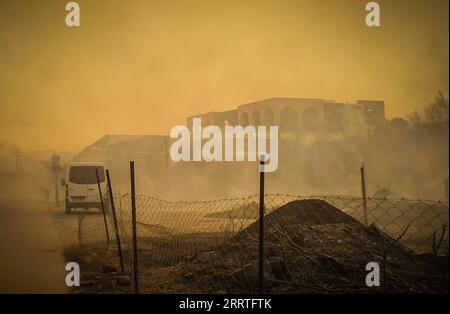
x,y
55,167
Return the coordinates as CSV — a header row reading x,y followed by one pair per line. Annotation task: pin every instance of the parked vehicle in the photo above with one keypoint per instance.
x,y
81,185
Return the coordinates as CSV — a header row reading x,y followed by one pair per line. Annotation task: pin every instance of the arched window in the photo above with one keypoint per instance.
x,y
267,118
289,120
310,119
244,120
256,118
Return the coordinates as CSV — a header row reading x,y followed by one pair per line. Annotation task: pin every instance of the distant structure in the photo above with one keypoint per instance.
x,y
303,117
123,148
299,120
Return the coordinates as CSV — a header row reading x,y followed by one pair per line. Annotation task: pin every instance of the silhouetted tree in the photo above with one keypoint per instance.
x,y
415,118
436,111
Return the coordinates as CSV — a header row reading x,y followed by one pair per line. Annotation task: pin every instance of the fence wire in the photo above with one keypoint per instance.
x,y
316,244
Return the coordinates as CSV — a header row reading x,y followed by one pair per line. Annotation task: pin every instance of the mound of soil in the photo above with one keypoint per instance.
x,y
310,247
304,212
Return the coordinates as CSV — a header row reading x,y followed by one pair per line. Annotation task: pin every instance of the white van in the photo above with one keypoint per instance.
x,y
81,185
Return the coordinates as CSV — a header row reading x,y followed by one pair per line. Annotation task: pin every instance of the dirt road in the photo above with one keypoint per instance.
x,y
31,247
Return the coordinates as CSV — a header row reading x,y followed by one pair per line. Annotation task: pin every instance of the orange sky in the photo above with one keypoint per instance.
x,y
141,67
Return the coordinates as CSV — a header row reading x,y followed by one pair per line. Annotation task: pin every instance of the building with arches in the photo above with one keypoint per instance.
x,y
302,117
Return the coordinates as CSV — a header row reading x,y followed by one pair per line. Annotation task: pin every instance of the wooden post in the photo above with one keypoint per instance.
x,y
116,226
133,225
102,205
363,191
261,224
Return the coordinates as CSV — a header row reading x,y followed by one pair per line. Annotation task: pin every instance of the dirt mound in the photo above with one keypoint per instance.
x,y
310,212
310,247
302,212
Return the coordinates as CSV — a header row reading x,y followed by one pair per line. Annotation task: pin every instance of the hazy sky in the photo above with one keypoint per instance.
x,y
141,67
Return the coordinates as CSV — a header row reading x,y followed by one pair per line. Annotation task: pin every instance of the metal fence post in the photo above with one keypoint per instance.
x,y
133,225
116,226
363,191
102,205
261,224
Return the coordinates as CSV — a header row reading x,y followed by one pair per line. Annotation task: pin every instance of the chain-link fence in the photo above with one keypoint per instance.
x,y
312,243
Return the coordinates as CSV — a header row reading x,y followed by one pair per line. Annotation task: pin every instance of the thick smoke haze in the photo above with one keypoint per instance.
x,y
353,193
142,67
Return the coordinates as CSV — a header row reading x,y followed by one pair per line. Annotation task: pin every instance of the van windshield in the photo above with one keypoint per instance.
x,y
86,174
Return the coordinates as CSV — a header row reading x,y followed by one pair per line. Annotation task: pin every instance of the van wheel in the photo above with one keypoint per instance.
x,y
68,209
